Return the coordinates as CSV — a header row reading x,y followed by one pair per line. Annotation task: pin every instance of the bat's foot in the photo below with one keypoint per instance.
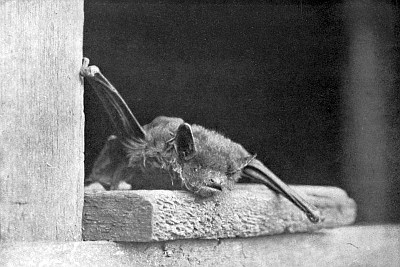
x,y
94,187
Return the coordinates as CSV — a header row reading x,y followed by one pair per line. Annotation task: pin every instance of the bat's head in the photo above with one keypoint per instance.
x,y
204,168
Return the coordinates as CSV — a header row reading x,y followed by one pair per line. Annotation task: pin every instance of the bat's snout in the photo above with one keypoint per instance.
x,y
202,181
213,183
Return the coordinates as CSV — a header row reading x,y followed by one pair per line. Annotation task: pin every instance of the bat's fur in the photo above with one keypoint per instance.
x,y
147,164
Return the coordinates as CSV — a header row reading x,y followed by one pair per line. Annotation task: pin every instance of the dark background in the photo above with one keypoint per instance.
x,y
269,76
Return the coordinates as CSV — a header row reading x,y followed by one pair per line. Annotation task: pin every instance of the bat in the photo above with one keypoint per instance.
x,y
169,153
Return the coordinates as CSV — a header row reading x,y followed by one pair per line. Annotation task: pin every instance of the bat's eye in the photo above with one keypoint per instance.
x,y
196,169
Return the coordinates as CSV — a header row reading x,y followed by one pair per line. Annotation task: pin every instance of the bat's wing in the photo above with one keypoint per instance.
x,y
255,170
121,116
107,163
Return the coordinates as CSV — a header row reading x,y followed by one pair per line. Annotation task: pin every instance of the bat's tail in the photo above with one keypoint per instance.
x,y
255,170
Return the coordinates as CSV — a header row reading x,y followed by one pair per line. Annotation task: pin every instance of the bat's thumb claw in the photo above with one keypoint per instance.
x,y
315,216
85,62
88,71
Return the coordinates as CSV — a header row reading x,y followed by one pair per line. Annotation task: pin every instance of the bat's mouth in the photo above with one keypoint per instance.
x,y
124,122
216,186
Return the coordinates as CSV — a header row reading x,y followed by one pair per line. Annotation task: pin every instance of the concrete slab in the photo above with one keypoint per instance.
x,y
349,246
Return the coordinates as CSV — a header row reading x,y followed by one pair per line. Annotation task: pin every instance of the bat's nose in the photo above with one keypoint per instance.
x,y
216,184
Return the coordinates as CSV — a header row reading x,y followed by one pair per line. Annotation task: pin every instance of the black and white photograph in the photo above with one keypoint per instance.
x,y
199,133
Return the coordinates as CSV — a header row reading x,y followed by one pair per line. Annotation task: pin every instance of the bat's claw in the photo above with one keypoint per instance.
x,y
86,70
315,217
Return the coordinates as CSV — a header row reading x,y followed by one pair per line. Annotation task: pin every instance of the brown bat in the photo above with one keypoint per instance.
x,y
171,154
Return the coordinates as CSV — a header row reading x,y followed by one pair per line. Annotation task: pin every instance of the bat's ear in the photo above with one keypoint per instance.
x,y
184,141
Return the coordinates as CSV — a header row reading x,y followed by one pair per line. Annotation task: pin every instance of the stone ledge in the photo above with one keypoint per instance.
x,y
248,210
347,246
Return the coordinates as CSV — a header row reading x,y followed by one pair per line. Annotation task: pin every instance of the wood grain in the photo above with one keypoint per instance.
x,y
41,120
248,210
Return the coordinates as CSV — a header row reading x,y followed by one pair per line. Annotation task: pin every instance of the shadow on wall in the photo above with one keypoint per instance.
x,y
290,83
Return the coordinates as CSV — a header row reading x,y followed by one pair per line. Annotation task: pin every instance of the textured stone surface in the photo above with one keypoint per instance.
x,y
347,246
248,210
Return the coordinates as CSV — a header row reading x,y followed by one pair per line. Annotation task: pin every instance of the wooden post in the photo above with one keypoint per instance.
x,y
41,120
367,94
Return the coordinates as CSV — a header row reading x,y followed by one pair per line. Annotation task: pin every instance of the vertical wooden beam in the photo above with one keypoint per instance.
x,y
41,120
367,101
